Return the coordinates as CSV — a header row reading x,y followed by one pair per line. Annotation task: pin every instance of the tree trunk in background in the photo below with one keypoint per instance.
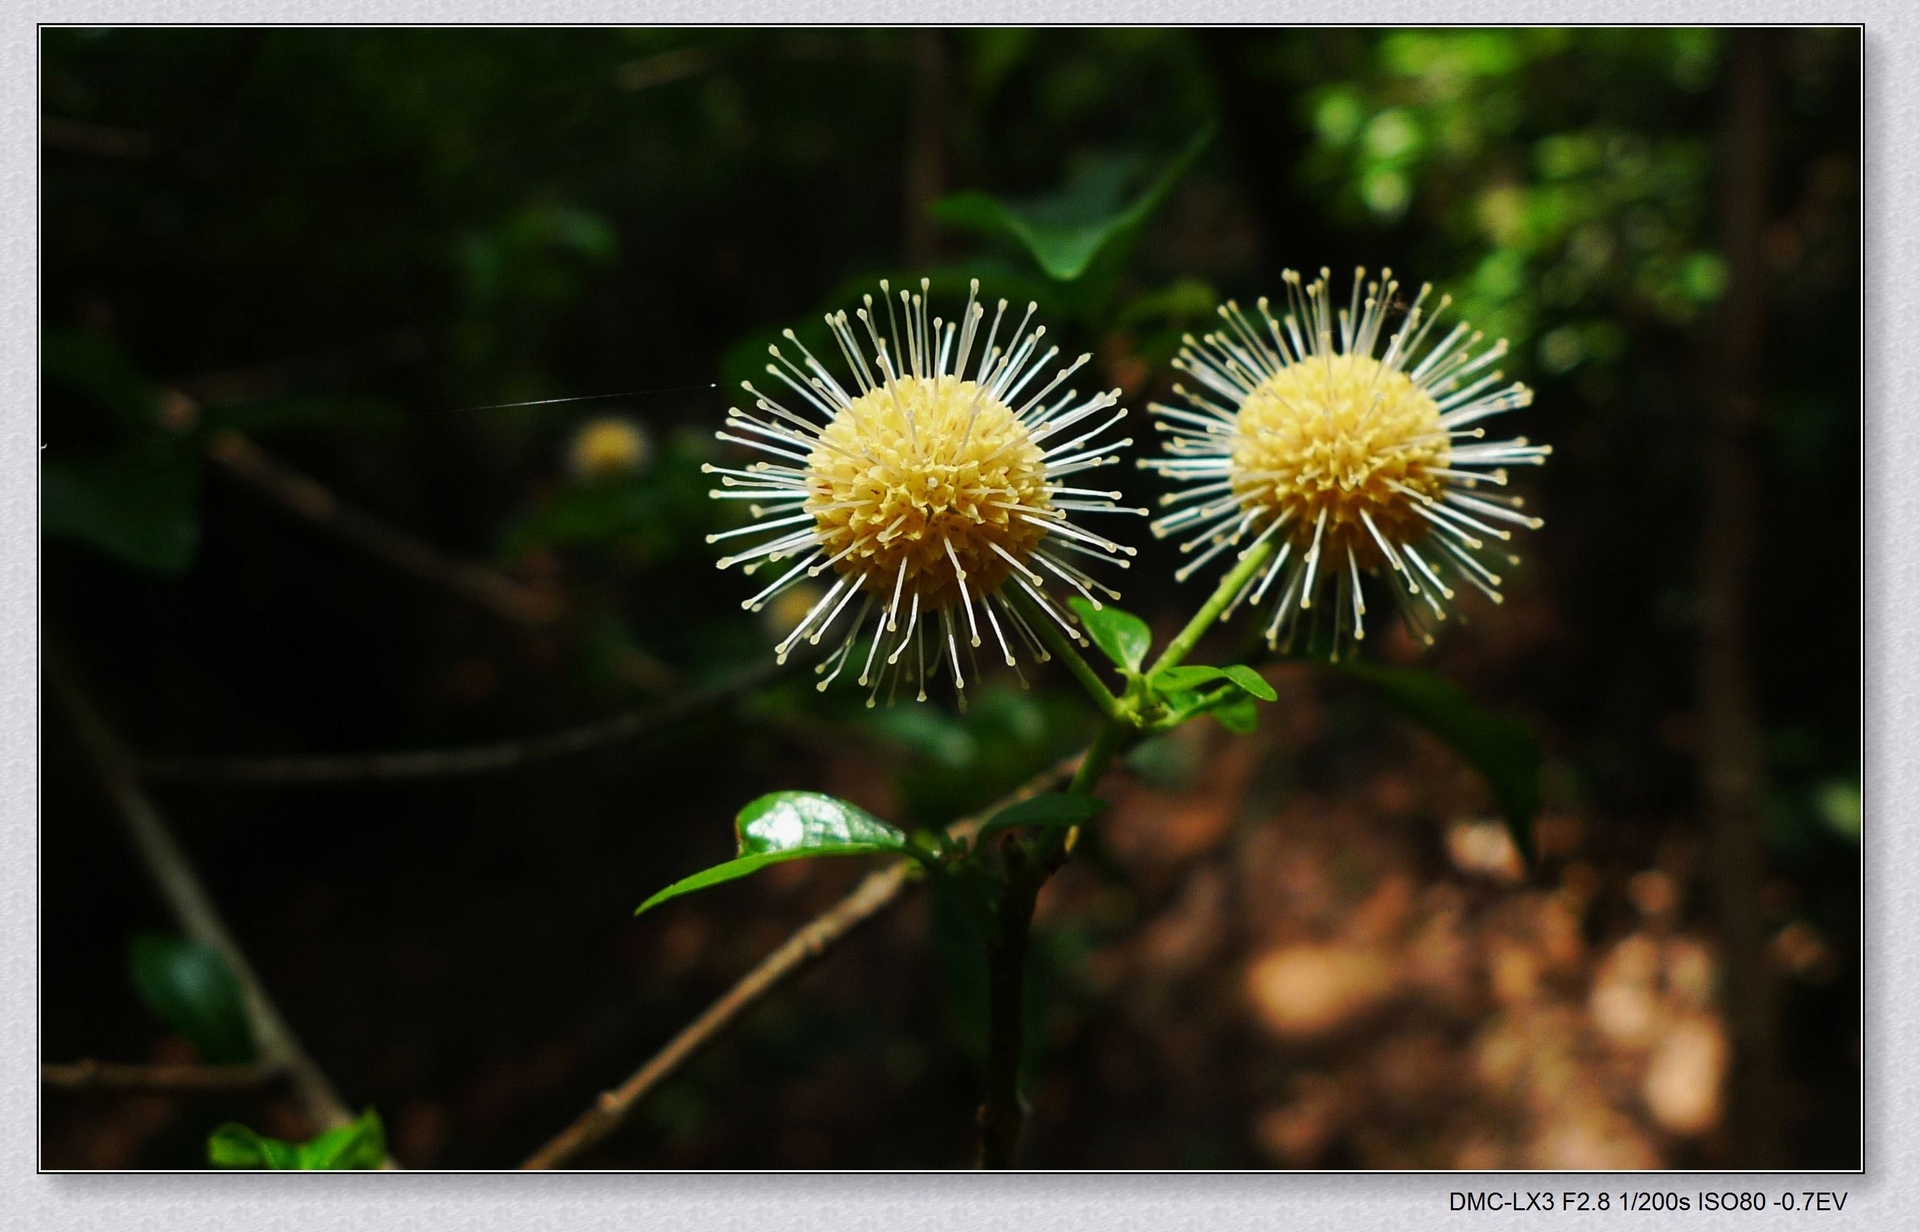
x,y
926,145
1730,731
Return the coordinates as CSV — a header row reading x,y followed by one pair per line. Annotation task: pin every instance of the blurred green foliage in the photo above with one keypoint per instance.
x,y
361,1146
192,987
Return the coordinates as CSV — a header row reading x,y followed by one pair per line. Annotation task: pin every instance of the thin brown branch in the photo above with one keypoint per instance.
x,y
91,1075
442,763
173,875
874,894
395,548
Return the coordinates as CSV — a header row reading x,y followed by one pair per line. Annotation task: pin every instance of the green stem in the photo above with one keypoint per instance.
x,y
1230,585
1064,650
1028,867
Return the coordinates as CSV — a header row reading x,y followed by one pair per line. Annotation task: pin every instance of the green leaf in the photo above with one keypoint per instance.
x,y
1238,715
1120,635
93,365
1251,681
139,506
1499,747
192,987
1838,804
235,1146
360,1146
804,821
1187,677
1054,808
1089,221
1192,676
793,825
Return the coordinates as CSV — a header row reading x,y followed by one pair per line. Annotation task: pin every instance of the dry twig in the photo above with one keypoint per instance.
x,y
91,1075
192,908
873,895
471,759
313,501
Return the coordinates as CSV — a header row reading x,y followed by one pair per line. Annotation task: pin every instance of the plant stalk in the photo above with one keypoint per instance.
x,y
1029,866
1223,594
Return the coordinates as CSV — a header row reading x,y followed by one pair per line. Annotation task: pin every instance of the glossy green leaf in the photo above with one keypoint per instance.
x,y
139,506
793,825
1090,219
1120,635
803,821
1501,748
1194,675
194,989
360,1146
1054,808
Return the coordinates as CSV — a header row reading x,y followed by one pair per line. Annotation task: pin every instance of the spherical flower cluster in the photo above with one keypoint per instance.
x,y
932,483
934,493
1353,460
607,447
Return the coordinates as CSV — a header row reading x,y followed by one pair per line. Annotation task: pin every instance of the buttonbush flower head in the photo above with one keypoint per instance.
x,y
1354,459
933,483
607,447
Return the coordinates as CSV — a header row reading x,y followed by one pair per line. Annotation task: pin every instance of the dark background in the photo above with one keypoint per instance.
x,y
340,242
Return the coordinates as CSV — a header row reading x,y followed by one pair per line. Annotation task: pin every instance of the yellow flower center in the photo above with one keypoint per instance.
x,y
1343,435
931,474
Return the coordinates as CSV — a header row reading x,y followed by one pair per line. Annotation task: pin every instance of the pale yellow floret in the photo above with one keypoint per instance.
x,y
606,447
930,472
1341,435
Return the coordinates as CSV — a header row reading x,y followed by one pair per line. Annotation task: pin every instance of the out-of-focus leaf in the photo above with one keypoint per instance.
x,y
1189,299
933,734
1238,715
535,254
1054,808
357,1147
1089,221
1120,635
650,516
793,825
1499,747
1839,806
93,365
138,506
961,763
192,987
235,1146
360,1146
